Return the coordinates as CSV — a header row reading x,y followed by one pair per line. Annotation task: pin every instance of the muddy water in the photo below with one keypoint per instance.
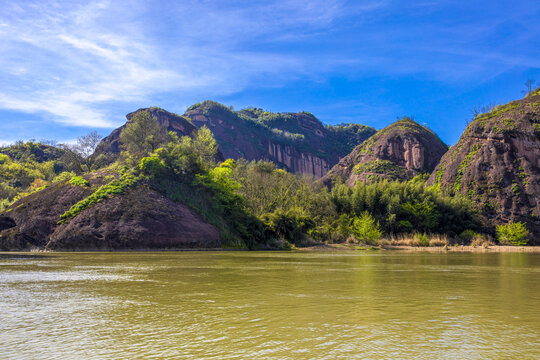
x,y
270,305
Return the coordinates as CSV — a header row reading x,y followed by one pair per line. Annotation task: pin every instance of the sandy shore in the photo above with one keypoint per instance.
x,y
436,249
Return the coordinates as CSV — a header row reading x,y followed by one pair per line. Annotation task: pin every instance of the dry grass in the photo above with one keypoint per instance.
x,y
484,241
416,240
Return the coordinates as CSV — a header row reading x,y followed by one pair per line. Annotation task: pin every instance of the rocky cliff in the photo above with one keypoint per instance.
x,y
298,142
111,145
497,163
398,152
140,218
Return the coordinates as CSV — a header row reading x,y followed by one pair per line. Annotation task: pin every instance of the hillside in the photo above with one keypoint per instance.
x,y
181,125
496,163
400,151
298,142
32,151
138,218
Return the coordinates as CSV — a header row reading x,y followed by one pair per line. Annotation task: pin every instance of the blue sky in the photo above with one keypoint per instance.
x,y
70,67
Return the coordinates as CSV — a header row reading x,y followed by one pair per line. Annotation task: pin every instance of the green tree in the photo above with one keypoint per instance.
x,y
142,135
514,233
366,229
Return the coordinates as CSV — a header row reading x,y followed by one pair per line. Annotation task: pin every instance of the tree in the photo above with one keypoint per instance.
x,y
366,229
142,135
529,85
77,157
205,146
514,233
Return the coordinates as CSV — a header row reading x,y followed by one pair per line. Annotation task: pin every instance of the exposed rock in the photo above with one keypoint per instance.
x,y
496,163
6,222
138,219
183,126
298,142
398,152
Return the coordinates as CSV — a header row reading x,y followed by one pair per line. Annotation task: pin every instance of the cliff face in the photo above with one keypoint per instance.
x,y
497,163
139,219
111,145
296,141
397,152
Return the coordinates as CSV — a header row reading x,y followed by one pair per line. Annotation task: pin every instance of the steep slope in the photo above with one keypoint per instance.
x,y
496,163
139,218
298,142
400,151
110,145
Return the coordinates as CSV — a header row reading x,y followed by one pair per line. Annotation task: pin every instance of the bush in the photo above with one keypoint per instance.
x,y
468,235
79,181
514,233
366,229
152,166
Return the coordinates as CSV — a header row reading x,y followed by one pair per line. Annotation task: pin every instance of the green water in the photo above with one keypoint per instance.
x,y
270,305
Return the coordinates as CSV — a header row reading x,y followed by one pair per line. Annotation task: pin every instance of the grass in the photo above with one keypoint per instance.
x,y
416,240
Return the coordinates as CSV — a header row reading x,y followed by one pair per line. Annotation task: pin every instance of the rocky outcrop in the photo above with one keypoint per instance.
x,y
496,163
183,126
298,142
141,218
398,152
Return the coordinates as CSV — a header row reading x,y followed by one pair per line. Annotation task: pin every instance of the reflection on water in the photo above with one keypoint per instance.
x,y
246,305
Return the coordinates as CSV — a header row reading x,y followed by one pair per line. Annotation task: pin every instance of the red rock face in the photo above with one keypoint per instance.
x,y
496,163
139,219
313,154
397,152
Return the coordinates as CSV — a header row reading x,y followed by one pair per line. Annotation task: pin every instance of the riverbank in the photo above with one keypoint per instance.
x,y
433,249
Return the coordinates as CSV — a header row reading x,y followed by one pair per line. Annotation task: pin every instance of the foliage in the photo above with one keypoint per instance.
x,y
366,229
79,181
407,206
514,233
142,135
115,187
77,157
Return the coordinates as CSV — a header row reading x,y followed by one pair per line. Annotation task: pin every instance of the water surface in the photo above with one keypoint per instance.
x,y
270,305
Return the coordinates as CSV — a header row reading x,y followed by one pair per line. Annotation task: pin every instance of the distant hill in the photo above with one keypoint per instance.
x,y
298,142
32,151
496,163
400,151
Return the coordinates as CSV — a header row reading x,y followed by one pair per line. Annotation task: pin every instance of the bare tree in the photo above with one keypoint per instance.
x,y
77,156
86,144
529,84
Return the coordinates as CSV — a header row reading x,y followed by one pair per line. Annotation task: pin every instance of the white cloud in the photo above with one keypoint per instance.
x,y
68,60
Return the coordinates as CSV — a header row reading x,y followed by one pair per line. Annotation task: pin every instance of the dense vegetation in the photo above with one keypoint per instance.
x,y
253,204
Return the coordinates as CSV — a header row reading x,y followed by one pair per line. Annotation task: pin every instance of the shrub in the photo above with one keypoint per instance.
x,y
366,229
152,166
79,181
514,233
64,176
467,235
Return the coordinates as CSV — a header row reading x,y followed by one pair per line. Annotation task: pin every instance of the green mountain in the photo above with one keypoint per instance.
x,y
297,142
400,151
496,163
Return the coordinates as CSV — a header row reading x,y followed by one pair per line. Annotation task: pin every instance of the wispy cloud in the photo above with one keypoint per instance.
x,y
70,61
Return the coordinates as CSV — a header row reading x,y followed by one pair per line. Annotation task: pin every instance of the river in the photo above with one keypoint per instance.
x,y
270,305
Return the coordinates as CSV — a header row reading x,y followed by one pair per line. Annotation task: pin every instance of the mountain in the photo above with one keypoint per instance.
x,y
32,151
135,218
298,142
110,145
400,151
496,162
